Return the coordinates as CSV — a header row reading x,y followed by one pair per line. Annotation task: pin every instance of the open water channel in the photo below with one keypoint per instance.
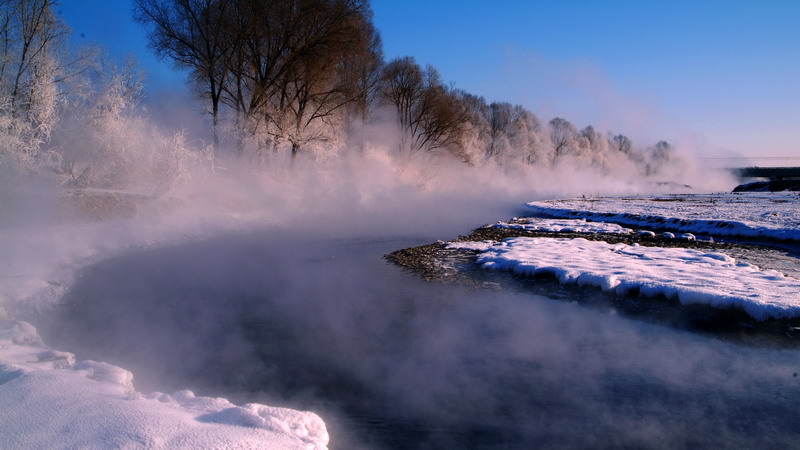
x,y
391,361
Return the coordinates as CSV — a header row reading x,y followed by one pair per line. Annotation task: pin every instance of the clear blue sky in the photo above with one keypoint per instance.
x,y
722,76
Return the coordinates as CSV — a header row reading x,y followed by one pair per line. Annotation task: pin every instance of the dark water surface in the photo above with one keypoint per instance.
x,y
391,361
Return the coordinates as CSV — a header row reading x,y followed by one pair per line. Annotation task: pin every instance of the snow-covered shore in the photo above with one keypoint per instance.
x,y
748,215
563,226
52,400
689,275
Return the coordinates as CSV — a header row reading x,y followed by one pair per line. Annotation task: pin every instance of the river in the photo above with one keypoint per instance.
x,y
391,361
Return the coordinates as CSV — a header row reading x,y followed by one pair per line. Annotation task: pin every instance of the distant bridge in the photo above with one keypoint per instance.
x,y
773,173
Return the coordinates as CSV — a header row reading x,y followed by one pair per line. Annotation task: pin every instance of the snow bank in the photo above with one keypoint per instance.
x,y
752,215
562,226
51,401
691,276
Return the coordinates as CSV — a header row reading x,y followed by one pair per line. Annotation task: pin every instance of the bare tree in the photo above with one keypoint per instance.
x,y
360,72
286,67
194,35
335,53
402,86
429,115
288,72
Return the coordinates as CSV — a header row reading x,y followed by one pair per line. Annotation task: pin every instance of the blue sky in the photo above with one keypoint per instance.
x,y
719,77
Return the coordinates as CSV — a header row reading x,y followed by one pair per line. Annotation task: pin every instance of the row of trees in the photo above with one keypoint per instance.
x,y
299,73
288,71
511,135
282,75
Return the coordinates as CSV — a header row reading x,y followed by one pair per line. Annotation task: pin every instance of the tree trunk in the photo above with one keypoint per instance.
x,y
239,134
215,126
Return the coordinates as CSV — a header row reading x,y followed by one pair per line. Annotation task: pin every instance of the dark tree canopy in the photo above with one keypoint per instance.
x,y
285,68
430,116
193,34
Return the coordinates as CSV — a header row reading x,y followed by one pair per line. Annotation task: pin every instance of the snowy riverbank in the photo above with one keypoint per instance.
x,y
659,257
52,400
744,215
688,275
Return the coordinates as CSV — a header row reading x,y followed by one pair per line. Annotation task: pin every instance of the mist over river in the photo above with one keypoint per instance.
x,y
391,361
210,197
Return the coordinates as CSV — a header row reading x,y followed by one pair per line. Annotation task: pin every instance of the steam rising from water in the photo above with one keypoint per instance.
x,y
269,285
323,323
279,294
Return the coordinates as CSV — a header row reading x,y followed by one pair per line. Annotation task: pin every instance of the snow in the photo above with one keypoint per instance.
x,y
751,215
52,400
562,226
690,275
481,246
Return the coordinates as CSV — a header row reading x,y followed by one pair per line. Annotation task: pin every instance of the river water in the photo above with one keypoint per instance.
x,y
391,361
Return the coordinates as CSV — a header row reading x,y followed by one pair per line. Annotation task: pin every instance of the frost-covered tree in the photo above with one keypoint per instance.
x,y
563,137
90,153
596,148
106,141
476,134
500,120
596,141
528,136
31,38
621,143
